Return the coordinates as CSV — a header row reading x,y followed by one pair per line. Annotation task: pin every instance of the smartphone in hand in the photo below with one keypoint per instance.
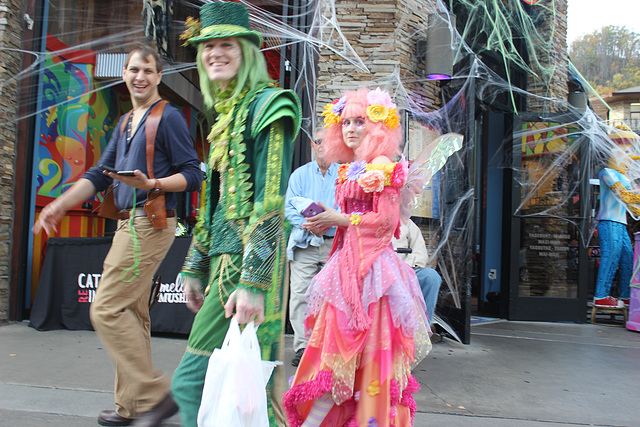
x,y
110,169
312,210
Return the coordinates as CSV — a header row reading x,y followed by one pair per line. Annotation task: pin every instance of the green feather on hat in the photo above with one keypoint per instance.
x,y
218,20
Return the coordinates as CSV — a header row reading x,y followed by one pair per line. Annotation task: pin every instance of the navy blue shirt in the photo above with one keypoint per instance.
x,y
174,153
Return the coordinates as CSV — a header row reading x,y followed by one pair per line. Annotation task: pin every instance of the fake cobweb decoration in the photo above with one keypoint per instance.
x,y
551,148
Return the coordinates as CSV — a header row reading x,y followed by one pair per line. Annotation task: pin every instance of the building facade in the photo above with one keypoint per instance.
x,y
11,33
507,97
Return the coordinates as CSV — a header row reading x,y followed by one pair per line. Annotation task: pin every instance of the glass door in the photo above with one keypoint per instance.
x,y
549,214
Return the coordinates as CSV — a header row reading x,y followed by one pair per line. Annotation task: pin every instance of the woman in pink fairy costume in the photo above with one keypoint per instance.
x,y
366,311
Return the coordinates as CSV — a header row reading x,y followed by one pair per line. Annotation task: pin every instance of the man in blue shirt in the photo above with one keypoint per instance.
x,y
307,252
120,312
411,239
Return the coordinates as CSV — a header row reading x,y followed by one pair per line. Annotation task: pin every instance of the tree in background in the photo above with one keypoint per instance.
x,y
609,58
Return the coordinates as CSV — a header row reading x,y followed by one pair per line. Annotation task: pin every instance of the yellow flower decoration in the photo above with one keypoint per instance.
x,y
377,113
193,29
393,119
388,170
355,218
330,117
374,388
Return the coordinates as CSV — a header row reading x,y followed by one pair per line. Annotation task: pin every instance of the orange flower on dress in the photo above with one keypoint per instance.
x,y
342,172
372,181
374,388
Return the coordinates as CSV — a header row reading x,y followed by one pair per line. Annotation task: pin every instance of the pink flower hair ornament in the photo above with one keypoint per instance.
x,y
380,108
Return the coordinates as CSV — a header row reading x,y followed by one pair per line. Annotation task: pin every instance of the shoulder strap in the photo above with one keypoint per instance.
x,y
151,128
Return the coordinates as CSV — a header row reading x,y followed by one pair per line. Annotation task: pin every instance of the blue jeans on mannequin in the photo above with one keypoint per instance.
x,y
615,251
430,282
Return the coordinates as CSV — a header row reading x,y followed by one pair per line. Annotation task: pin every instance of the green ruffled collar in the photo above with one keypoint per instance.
x,y
219,137
225,104
228,149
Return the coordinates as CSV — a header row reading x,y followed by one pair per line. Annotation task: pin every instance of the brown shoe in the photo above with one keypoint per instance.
x,y
165,409
109,417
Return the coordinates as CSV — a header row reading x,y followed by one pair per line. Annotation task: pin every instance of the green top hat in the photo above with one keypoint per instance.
x,y
224,19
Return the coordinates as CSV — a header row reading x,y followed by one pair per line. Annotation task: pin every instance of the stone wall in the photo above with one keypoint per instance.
x,y
553,58
383,34
621,110
10,38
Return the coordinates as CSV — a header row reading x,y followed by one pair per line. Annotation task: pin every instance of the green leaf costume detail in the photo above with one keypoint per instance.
x,y
235,219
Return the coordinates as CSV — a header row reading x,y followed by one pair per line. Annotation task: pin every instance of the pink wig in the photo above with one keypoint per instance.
x,y
379,139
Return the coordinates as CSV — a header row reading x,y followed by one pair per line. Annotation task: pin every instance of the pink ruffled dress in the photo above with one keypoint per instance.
x,y
366,313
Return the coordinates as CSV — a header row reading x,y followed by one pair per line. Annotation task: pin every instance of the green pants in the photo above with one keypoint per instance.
x,y
208,332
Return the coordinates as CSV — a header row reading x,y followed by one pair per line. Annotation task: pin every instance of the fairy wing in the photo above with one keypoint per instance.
x,y
429,161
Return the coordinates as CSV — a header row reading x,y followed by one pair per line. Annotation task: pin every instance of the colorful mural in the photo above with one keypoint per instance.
x,y
76,121
75,124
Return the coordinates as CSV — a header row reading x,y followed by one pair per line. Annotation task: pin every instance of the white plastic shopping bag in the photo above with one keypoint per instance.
x,y
234,393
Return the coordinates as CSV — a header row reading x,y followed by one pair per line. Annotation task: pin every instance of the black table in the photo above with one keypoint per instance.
x,y
70,274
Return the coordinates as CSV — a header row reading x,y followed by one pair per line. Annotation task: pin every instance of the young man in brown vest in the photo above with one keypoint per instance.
x,y
120,312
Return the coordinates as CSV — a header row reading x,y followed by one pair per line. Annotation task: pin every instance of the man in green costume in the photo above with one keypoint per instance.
x,y
237,257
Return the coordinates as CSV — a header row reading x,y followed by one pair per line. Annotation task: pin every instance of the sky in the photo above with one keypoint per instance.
x,y
587,16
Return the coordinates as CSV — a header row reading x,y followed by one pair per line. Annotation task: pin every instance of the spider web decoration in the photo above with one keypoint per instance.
x,y
493,41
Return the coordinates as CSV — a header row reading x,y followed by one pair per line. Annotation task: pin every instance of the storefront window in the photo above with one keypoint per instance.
x,y
549,210
100,26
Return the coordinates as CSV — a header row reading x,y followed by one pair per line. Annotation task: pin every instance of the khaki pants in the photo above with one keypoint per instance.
x,y
306,264
120,314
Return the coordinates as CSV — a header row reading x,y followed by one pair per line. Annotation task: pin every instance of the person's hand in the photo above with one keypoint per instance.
x,y
49,218
193,292
318,224
138,180
318,232
249,306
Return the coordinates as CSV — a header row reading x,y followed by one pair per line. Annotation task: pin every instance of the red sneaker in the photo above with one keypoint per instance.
x,y
606,302
625,301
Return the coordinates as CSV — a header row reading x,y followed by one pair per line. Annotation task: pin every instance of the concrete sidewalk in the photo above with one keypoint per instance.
x,y
512,374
